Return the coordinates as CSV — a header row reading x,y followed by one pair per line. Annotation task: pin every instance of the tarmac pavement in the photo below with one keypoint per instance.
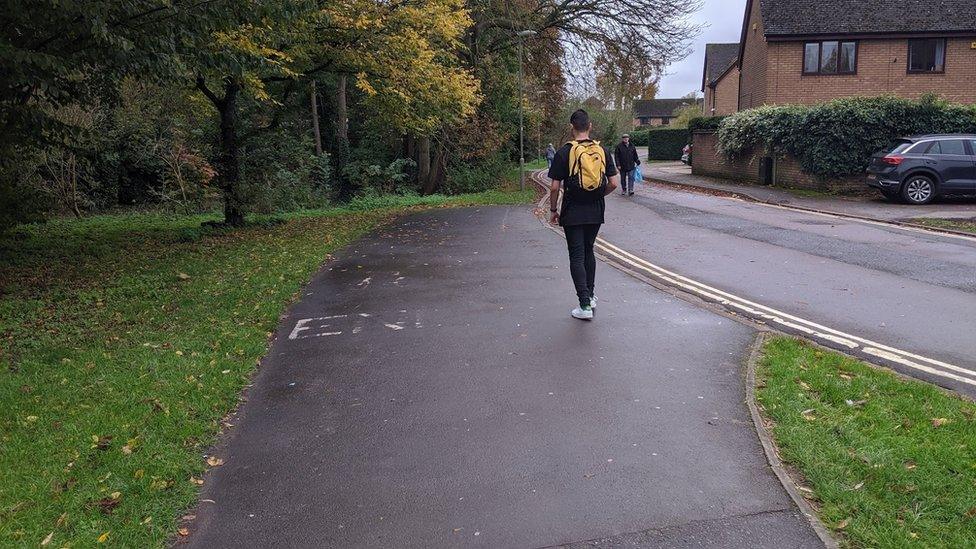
x,y
431,390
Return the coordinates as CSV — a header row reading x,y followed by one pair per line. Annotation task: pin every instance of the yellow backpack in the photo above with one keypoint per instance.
x,y
587,168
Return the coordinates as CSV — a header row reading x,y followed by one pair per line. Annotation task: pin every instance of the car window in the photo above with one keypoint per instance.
x,y
932,147
972,144
951,146
900,148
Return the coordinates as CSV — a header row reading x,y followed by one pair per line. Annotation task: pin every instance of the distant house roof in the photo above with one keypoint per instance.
x,y
661,108
719,58
784,18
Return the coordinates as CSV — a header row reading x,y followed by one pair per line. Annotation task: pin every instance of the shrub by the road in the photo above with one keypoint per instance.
x,y
663,143
704,123
837,138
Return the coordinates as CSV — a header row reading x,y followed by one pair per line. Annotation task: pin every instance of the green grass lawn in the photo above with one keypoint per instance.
x,y
890,462
123,342
964,225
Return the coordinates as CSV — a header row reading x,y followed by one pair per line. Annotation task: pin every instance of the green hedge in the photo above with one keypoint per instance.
x,y
661,143
837,138
704,123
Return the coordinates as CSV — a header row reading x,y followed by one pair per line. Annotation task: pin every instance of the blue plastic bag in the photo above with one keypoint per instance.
x,y
638,176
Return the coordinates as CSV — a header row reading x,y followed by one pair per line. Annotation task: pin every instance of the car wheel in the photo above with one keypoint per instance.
x,y
918,189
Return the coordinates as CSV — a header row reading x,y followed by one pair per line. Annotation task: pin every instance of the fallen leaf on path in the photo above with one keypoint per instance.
x,y
214,461
183,532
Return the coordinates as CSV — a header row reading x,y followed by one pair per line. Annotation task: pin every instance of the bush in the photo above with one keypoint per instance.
x,y
663,143
705,123
476,176
837,138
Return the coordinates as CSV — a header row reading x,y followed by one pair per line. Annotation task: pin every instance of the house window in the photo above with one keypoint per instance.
x,y
926,55
830,57
665,121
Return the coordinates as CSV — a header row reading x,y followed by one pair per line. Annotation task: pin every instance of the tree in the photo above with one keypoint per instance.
x,y
55,55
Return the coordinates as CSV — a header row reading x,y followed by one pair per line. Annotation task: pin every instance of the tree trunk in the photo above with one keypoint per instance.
x,y
423,161
315,120
437,172
342,117
229,160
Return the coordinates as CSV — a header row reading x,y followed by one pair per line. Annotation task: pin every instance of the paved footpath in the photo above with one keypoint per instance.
x,y
431,390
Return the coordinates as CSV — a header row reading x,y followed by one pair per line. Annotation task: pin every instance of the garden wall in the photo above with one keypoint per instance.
x,y
706,160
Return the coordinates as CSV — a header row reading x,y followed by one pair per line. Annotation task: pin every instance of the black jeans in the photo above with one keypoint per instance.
x,y
582,261
627,181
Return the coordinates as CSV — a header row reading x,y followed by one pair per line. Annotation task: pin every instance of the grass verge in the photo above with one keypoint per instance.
x,y
963,225
889,462
124,340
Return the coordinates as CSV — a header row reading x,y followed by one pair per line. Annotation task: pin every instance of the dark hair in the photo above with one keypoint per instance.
x,y
580,120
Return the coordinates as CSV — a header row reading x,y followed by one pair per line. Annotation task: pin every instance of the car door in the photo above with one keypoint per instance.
x,y
954,162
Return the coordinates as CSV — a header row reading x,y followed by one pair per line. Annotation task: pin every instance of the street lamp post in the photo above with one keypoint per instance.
x,y
521,35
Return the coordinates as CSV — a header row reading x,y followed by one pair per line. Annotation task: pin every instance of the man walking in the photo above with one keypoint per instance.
x,y
550,154
627,160
587,173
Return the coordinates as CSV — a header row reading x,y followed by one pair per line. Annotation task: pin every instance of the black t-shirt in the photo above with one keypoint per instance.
x,y
578,213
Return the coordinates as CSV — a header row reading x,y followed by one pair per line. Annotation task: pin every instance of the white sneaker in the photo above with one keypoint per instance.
x,y
583,314
593,302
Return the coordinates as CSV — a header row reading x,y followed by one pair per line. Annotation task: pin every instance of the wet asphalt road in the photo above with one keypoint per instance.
x,y
431,390
913,290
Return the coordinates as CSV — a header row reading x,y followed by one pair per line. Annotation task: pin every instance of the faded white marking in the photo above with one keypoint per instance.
x,y
393,326
365,315
357,329
299,328
365,282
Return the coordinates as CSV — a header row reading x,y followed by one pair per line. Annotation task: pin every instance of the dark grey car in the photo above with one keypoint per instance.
x,y
919,169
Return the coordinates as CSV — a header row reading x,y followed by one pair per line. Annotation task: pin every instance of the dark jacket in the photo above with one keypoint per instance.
x,y
626,157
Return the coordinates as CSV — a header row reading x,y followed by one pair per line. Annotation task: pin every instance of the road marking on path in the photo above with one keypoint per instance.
x,y
828,336
325,326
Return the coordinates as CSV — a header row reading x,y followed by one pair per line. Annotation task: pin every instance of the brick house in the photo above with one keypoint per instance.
x,y
720,79
796,51
659,112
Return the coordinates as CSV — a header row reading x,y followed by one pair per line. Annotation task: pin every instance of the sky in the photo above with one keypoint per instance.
x,y
722,20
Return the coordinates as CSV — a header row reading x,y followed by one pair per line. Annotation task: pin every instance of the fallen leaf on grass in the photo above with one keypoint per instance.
x,y
855,403
858,486
939,422
214,461
910,465
846,377
843,524
103,538
197,481
805,386
183,276
808,414
48,539
971,513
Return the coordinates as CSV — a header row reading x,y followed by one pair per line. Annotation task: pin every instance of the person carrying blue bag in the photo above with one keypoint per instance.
x,y
627,163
